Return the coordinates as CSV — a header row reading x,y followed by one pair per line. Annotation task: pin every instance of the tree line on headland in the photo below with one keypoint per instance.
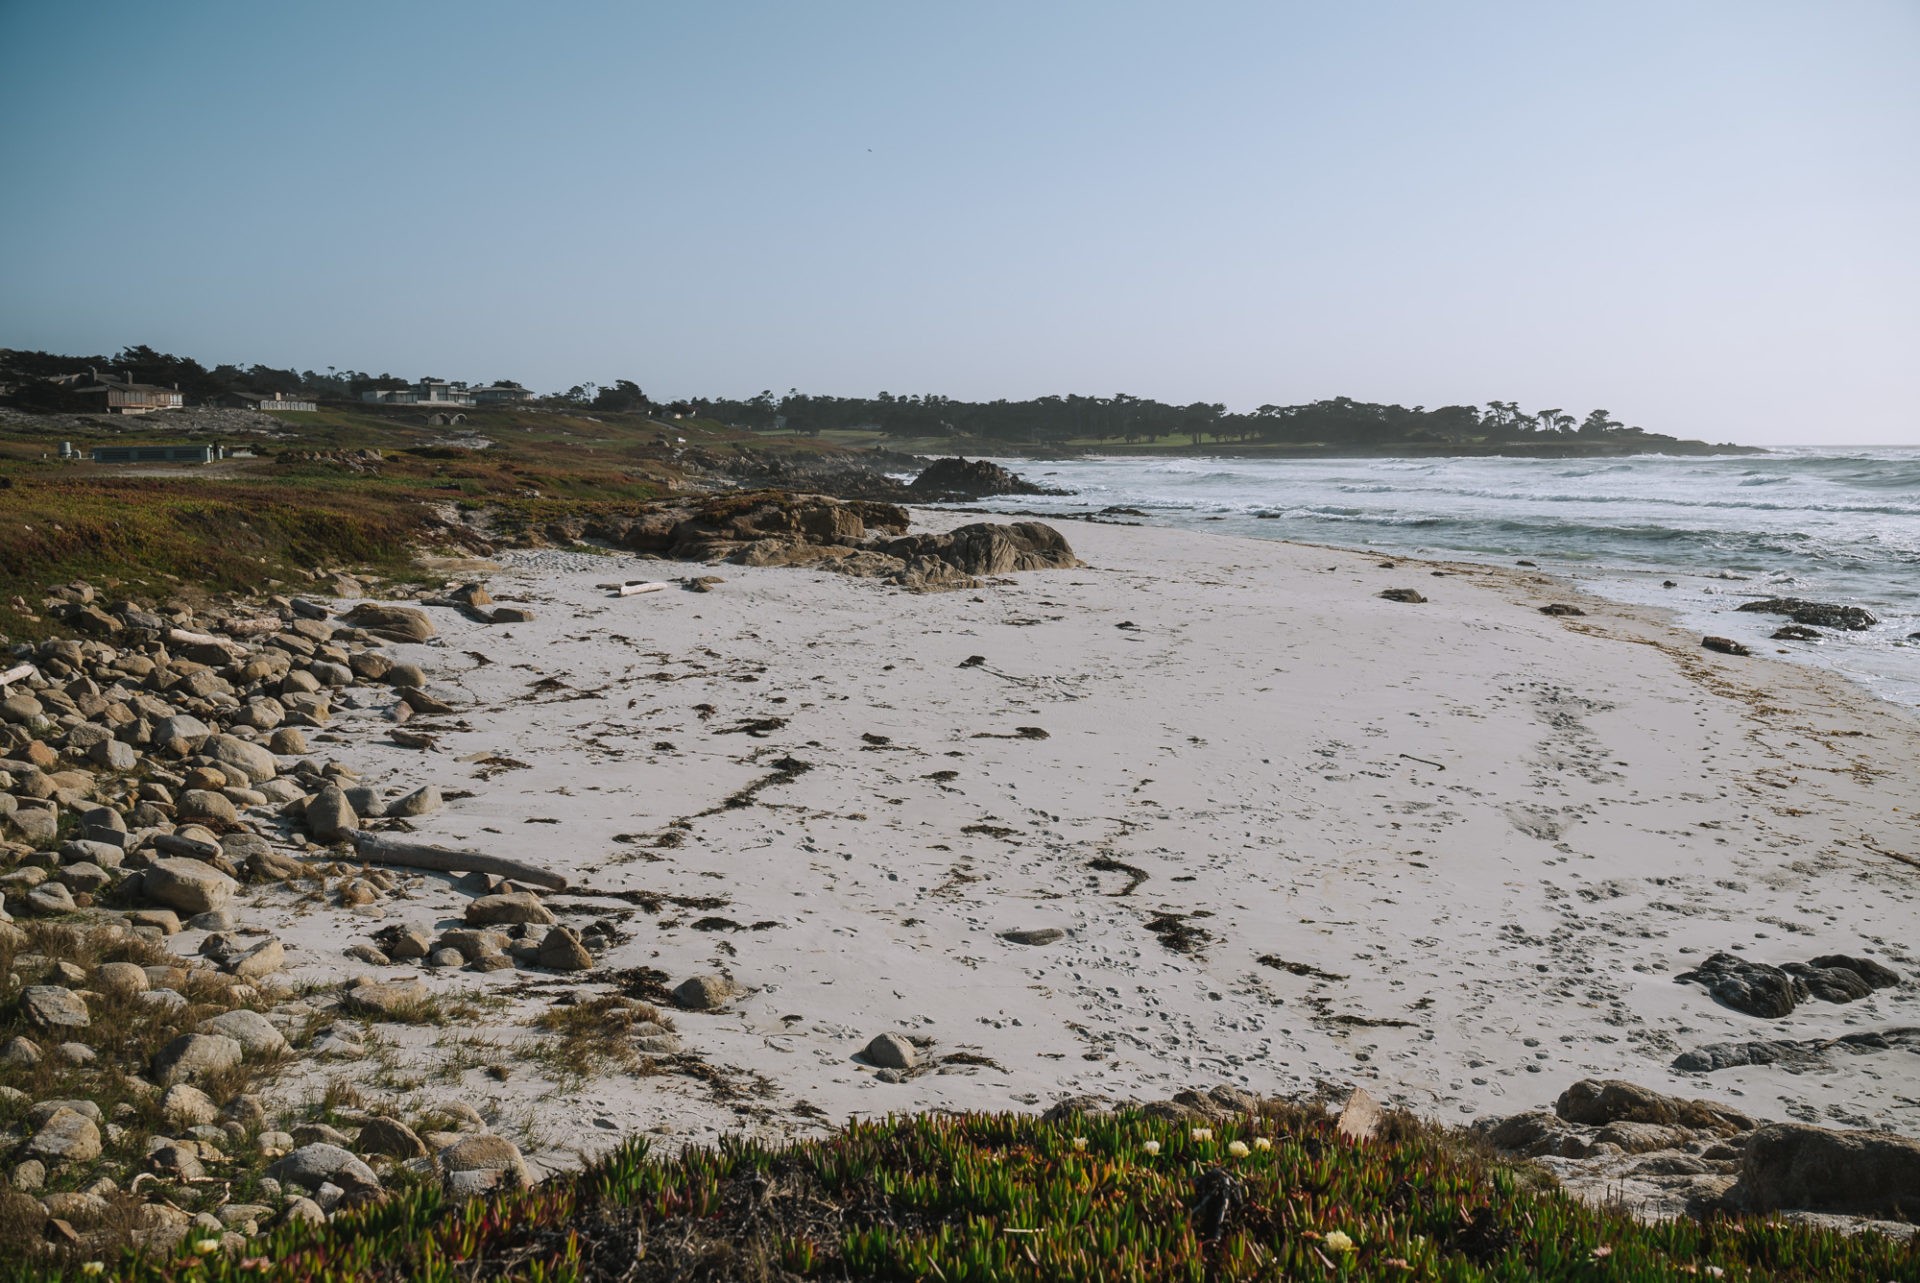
x,y
1048,421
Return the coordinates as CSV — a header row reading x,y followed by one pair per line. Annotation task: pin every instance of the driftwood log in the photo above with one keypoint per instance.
x,y
378,848
188,637
635,588
18,673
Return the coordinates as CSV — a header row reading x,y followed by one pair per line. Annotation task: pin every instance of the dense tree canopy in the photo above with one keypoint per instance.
x,y
1045,421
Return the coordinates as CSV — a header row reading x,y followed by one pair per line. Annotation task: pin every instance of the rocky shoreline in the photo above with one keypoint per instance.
x,y
168,793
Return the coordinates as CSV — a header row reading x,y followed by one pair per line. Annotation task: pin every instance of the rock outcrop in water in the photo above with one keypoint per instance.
x,y
1820,614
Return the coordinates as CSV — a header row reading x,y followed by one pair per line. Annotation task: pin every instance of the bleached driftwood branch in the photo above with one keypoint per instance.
x,y
378,848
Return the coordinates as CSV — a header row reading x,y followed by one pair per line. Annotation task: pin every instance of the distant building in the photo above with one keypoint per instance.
x,y
269,404
502,394
91,394
157,453
425,392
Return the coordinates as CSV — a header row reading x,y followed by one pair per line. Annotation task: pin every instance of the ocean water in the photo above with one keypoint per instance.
x,y
1831,524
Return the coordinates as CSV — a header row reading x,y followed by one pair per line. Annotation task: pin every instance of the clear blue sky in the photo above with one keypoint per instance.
x,y
1703,216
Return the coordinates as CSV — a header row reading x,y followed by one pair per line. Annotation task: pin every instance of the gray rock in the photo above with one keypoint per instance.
x,y
83,876
1859,1173
890,1051
288,742
50,899
263,959
21,708
41,1111
489,1153
561,950
188,886
422,801
176,1161
404,943
391,1137
312,1166
515,906
256,1034
250,759
36,824
1597,1103
705,993
66,1138
395,623
183,727
121,978
388,1000
366,802
208,805
195,1058
19,1053
183,1106
330,817
50,1007
113,755
1034,935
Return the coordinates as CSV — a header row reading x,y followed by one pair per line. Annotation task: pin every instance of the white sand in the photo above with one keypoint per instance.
x,y
1507,830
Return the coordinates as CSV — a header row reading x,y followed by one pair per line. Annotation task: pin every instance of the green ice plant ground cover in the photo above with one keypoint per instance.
x,y
978,1197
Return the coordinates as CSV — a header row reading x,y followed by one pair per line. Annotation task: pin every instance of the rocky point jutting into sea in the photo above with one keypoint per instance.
x,y
752,812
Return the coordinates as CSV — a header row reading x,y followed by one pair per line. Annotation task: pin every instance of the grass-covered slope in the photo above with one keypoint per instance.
x,y
979,1197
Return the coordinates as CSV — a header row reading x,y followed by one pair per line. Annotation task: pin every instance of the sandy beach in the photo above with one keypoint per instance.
x,y
1293,835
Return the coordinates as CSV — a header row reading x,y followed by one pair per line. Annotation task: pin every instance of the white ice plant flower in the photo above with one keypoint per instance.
x,y
1079,1142
1152,1147
1203,1133
1261,1142
1337,1241
1239,1149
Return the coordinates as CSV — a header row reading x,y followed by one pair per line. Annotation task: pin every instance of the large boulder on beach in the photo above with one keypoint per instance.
x,y
985,548
890,1051
1604,1102
187,886
194,1058
312,1166
395,623
330,816
704,993
1750,987
509,908
1859,1173
949,480
244,756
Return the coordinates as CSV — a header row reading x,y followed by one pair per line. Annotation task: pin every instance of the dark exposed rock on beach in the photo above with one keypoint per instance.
x,y
1816,613
1793,1055
1759,989
851,537
951,480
